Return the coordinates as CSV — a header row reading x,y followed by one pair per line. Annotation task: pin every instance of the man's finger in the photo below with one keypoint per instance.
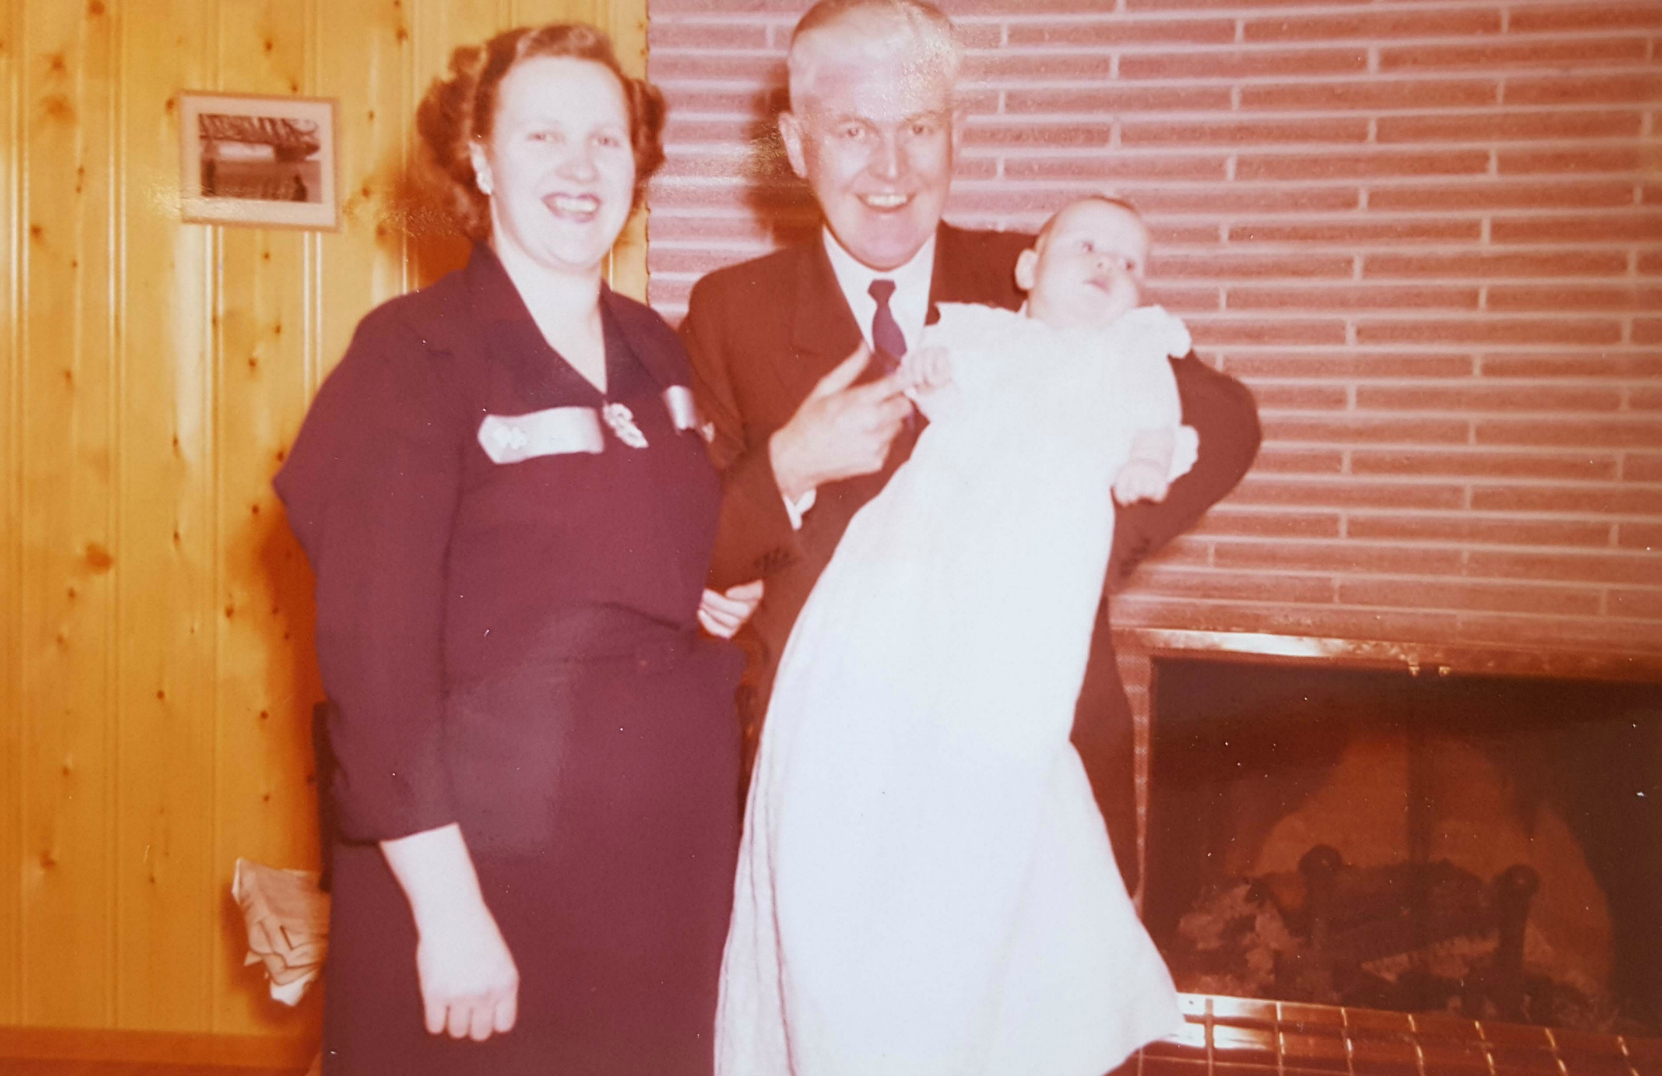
x,y
844,373
888,387
894,411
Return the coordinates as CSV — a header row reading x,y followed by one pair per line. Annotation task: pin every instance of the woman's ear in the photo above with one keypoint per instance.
x,y
481,168
1027,264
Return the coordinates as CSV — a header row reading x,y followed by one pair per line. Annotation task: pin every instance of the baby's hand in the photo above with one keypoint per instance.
x,y
928,371
927,368
1140,480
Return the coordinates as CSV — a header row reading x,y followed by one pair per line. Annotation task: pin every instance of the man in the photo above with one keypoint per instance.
x,y
793,353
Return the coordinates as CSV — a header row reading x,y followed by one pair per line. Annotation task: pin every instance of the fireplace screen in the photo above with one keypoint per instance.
x,y
1481,845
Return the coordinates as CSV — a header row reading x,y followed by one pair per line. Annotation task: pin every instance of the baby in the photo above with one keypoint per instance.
x,y
1083,272
925,884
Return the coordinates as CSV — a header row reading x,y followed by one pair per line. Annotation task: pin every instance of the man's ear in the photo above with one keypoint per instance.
x,y
481,168
1027,263
790,133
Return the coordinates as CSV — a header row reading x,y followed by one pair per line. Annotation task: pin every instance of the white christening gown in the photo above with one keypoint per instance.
x,y
925,885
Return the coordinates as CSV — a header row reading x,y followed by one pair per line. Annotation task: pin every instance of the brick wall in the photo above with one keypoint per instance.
x,y
1428,235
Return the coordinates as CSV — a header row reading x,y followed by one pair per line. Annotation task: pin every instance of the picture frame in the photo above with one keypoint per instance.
x,y
258,160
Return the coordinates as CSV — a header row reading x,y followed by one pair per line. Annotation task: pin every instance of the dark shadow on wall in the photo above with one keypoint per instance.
x,y
782,203
414,219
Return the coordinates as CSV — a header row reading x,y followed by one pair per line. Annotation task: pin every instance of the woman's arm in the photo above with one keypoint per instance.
x,y
371,486
469,984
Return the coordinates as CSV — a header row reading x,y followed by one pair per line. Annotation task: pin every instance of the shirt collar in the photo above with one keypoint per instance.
x,y
855,276
910,303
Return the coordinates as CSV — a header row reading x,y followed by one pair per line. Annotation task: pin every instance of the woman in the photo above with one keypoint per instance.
x,y
509,511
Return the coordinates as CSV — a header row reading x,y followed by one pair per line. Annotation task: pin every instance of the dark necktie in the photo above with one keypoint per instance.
x,y
888,342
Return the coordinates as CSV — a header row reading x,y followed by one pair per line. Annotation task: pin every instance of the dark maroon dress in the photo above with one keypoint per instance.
x,y
513,647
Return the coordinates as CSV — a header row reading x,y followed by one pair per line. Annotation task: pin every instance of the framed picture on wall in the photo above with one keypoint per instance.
x,y
260,161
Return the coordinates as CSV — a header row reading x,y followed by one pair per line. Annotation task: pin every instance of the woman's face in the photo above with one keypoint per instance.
x,y
558,166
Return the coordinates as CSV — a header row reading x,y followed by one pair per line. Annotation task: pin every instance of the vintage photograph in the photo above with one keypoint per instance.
x,y
831,538
263,161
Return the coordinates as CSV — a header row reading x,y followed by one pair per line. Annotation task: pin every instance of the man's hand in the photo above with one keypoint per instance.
x,y
1140,480
839,431
724,614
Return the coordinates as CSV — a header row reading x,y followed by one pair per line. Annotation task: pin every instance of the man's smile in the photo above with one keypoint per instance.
x,y
886,202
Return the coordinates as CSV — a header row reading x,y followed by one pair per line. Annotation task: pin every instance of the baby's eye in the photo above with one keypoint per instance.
x,y
544,136
609,139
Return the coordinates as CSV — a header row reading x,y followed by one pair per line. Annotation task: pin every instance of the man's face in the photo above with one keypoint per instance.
x,y
1087,269
875,139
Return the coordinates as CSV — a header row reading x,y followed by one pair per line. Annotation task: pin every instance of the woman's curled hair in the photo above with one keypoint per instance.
x,y
462,107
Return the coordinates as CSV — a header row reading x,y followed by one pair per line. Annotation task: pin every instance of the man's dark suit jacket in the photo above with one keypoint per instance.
x,y
762,333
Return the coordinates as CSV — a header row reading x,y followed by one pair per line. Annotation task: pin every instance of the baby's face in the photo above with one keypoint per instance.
x,y
1086,271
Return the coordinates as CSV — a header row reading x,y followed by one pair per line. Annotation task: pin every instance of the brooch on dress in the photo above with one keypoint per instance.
x,y
621,421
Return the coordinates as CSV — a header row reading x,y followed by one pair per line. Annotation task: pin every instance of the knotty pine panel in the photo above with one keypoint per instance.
x,y
156,674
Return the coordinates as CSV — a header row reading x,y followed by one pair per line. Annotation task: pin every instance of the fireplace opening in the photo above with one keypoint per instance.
x,y
1489,846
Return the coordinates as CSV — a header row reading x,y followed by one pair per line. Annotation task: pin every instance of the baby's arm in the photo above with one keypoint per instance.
x,y
1161,449
1146,473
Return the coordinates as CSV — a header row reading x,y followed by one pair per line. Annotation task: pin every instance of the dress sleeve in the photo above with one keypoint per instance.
x,y
754,535
1142,343
371,489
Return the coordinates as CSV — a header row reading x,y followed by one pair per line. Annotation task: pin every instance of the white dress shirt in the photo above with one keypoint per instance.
x,y
910,302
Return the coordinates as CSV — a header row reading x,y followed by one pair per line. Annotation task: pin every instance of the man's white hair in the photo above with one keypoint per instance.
x,y
853,30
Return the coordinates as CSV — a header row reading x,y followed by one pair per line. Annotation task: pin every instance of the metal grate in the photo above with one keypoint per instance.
x,y
1243,1037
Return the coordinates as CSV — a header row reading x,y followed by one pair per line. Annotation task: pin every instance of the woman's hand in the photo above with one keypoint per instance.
x,y
722,615
469,984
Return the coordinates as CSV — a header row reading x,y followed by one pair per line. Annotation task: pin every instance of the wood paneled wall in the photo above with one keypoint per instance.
x,y
156,674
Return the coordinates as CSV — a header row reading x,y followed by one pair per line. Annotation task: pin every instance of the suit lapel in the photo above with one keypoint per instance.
x,y
823,329
969,271
945,283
